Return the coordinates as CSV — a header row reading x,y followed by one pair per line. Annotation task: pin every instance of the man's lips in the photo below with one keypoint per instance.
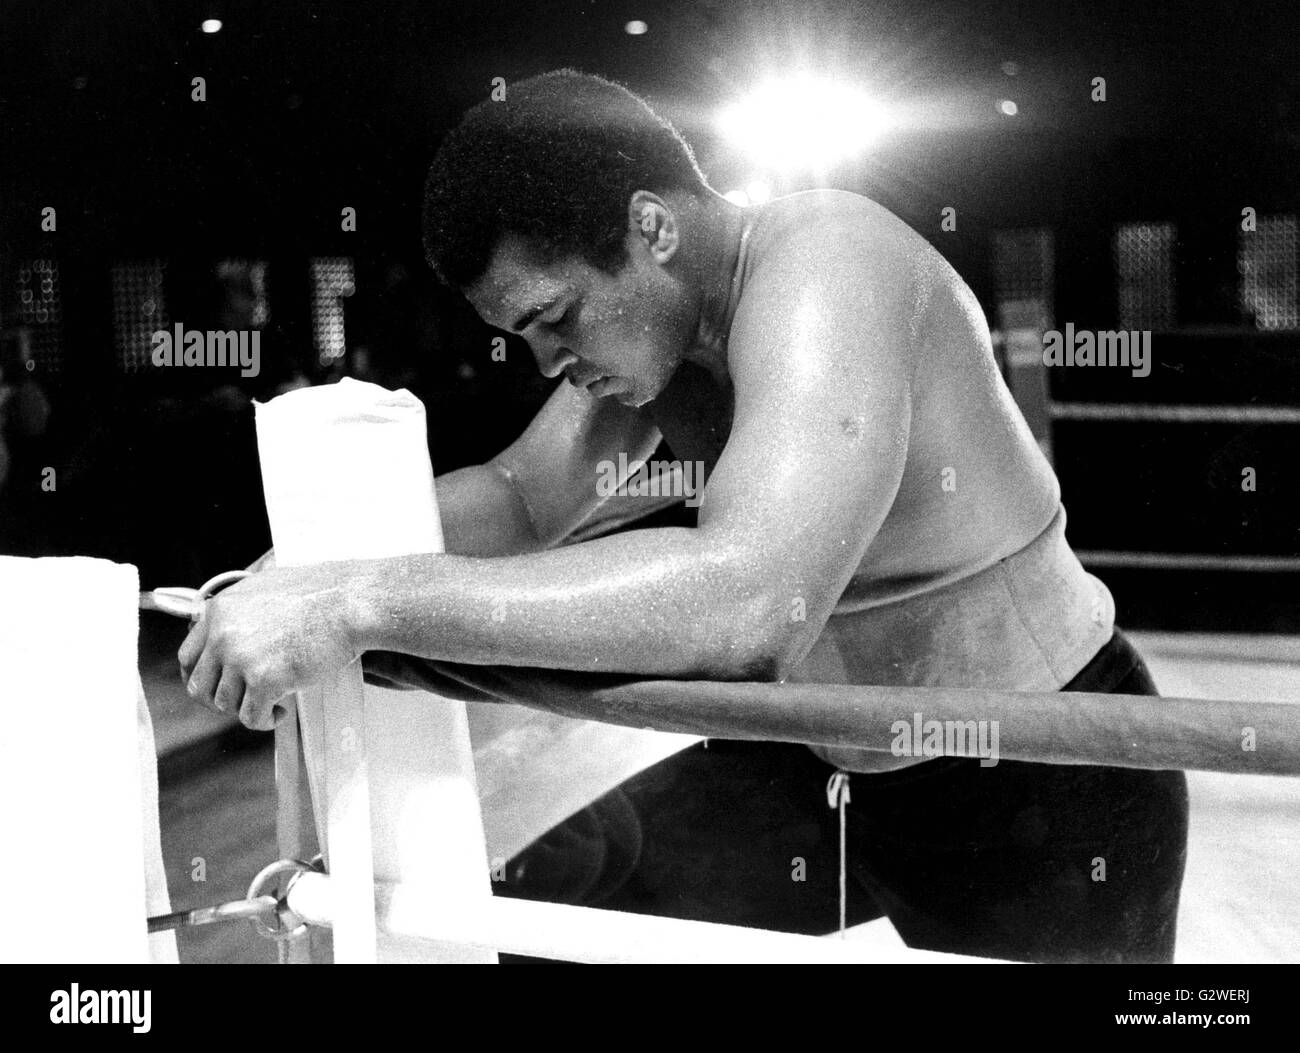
x,y
597,384
593,384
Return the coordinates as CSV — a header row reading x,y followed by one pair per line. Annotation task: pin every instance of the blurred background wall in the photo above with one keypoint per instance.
x,y
1121,212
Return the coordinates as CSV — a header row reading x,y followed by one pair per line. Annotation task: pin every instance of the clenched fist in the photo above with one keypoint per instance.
x,y
269,635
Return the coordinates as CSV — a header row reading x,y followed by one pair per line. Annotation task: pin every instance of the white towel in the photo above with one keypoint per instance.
x,y
78,776
346,472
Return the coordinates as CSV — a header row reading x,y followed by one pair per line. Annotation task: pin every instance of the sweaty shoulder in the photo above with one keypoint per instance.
x,y
836,232
902,328
825,210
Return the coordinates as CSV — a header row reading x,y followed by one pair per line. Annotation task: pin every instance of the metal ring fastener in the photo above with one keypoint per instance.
x,y
218,582
186,602
288,924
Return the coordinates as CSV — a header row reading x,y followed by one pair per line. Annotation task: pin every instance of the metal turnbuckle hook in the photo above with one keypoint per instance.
x,y
288,924
257,906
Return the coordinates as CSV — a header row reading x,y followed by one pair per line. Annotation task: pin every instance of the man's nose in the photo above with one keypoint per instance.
x,y
553,360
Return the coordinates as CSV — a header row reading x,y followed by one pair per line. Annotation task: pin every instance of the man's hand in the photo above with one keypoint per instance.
x,y
274,633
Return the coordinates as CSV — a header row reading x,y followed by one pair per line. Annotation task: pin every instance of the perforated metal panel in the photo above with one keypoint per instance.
x,y
139,310
248,278
1023,264
1144,270
40,309
1266,266
1024,275
332,280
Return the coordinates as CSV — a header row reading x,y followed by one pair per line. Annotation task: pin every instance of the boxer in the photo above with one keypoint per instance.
x,y
875,511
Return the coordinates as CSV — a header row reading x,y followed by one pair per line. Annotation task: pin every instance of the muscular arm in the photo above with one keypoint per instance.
x,y
543,486
820,358
534,493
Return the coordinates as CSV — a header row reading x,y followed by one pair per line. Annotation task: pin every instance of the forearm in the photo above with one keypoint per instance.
x,y
668,602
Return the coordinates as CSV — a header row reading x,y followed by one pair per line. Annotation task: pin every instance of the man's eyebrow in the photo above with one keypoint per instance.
x,y
522,322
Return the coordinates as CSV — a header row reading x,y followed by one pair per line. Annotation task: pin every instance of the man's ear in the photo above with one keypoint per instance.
x,y
652,222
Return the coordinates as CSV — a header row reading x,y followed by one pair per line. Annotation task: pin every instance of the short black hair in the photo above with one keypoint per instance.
x,y
555,161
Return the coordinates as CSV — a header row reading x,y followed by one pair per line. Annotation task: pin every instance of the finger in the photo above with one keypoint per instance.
x,y
284,707
188,655
202,684
229,696
259,711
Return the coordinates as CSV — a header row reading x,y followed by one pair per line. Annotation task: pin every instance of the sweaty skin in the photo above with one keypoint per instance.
x,y
835,375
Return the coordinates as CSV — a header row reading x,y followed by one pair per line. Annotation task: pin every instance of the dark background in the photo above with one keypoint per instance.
x,y
312,107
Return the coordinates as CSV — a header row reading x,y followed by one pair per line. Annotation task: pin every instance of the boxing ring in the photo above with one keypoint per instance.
x,y
409,826
427,922
602,936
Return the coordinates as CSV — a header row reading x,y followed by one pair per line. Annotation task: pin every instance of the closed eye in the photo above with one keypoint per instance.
x,y
566,319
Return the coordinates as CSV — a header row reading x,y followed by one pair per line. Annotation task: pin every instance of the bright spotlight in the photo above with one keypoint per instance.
x,y
636,28
758,192
803,122
1008,107
211,25
737,197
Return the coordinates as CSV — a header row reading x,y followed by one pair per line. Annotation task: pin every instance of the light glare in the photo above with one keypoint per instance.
x,y
803,121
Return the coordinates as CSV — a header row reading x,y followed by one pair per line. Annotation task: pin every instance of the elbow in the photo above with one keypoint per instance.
x,y
768,667
748,666
759,654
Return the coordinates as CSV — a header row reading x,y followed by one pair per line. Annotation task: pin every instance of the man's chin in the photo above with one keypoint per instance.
x,y
633,398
